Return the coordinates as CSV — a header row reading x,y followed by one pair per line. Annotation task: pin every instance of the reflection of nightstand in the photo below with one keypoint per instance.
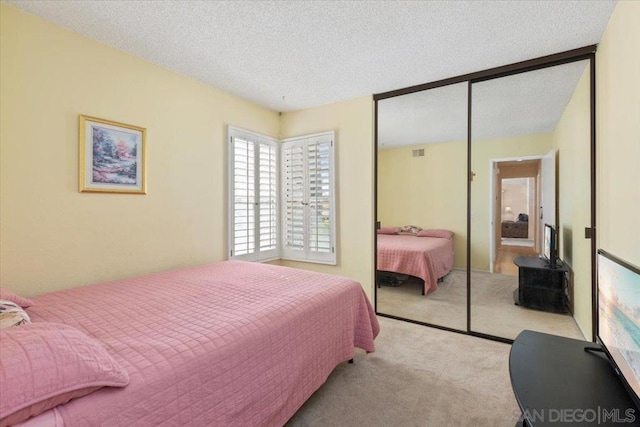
x,y
540,286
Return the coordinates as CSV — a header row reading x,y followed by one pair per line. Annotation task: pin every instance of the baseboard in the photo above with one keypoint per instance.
x,y
580,328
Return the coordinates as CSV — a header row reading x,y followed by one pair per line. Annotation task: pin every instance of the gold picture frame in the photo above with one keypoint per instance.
x,y
112,157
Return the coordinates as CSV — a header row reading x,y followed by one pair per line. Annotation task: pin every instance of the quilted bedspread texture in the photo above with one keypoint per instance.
x,y
226,344
425,257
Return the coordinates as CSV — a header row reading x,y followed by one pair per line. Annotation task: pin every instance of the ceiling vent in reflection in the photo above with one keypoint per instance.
x,y
418,153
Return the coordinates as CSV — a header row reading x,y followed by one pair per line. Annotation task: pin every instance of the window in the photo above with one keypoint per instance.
x,y
253,196
289,184
308,202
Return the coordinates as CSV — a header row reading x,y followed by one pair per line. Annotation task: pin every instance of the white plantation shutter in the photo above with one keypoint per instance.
x,y
308,199
320,198
244,191
253,194
294,197
268,199
289,185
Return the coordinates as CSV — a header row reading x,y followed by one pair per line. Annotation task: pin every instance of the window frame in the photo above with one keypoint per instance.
x,y
329,258
310,256
257,139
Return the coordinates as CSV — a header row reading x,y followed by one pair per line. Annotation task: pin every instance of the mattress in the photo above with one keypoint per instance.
x,y
226,344
428,258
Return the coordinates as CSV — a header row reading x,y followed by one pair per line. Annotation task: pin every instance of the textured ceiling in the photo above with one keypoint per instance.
x,y
427,117
288,55
524,104
521,104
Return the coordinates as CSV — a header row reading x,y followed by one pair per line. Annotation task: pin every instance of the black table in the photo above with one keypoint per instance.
x,y
557,383
541,286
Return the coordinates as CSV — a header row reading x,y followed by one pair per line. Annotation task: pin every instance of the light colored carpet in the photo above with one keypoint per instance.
x,y
417,376
492,308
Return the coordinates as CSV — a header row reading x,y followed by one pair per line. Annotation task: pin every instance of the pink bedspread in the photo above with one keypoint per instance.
x,y
226,344
428,258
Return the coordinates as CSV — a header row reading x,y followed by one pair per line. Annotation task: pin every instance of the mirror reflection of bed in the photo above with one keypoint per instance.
x,y
521,126
411,250
421,182
415,271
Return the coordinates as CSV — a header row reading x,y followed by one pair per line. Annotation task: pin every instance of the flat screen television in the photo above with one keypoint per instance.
x,y
619,318
550,247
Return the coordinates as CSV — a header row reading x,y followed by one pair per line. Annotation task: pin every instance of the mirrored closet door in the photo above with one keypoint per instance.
x,y
530,202
421,206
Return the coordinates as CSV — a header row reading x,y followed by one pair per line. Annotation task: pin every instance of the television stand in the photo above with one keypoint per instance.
x,y
557,382
552,265
594,349
541,286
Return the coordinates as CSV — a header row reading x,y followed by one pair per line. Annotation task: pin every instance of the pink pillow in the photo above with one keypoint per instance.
x,y
8,295
388,230
442,234
43,365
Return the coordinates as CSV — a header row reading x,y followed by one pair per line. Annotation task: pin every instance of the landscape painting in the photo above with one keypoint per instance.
x,y
112,157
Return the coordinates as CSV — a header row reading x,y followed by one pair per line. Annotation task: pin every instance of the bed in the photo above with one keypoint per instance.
x,y
428,258
232,343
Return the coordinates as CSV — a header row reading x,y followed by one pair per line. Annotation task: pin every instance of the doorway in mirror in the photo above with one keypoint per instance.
x,y
519,136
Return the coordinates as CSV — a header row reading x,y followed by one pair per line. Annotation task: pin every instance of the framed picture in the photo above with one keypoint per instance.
x,y
112,157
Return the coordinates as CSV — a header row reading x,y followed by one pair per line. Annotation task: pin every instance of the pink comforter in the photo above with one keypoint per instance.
x,y
428,258
232,343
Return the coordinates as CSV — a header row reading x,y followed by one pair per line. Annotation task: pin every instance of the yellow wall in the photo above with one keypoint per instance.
x,y
618,173
618,134
481,153
54,237
571,138
353,122
429,191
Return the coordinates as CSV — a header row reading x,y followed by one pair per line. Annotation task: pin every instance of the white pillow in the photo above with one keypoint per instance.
x,y
409,229
11,314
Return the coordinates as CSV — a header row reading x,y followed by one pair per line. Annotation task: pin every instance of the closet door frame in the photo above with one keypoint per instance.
x,y
580,54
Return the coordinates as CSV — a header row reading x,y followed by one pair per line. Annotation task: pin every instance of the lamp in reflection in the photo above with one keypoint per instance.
x,y
508,213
